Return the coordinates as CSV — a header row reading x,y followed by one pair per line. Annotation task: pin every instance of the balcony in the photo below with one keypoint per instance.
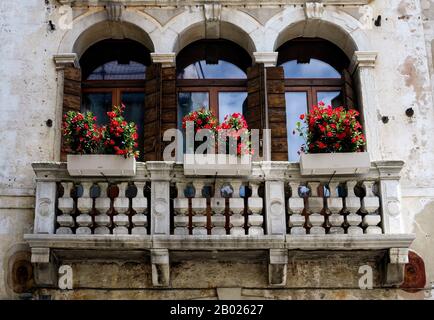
x,y
160,214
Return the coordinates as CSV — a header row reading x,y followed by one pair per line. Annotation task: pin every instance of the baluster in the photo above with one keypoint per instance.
x,y
255,206
218,208
102,205
371,206
236,206
316,205
121,204
84,205
140,206
180,206
66,205
296,207
198,204
335,205
352,203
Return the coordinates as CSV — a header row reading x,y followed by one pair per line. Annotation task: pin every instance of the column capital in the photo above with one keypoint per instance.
x,y
269,59
363,59
166,59
63,60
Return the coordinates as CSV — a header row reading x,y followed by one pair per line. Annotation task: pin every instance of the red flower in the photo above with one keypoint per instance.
x,y
302,117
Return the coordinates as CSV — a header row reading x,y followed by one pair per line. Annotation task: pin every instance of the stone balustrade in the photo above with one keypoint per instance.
x,y
273,210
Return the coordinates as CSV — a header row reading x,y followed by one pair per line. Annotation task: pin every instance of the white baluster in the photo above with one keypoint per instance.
x,y
371,206
335,205
66,205
353,205
121,205
102,205
296,207
140,206
84,205
316,204
255,204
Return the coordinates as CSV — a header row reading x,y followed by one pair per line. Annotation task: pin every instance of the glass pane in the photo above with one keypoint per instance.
x,y
114,71
221,70
230,102
135,111
296,104
332,98
314,69
99,103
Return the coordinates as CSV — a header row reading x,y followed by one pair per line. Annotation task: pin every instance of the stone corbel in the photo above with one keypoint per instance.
x,y
44,267
396,260
160,267
314,10
363,59
167,60
277,267
114,11
269,59
212,13
63,60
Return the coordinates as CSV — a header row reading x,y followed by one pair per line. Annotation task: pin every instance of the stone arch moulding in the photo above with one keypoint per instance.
x,y
93,27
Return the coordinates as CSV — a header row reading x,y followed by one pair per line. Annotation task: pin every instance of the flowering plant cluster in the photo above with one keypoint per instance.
x,y
83,136
234,125
331,130
80,133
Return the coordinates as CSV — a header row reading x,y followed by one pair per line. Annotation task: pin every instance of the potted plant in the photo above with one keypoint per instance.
x,y
94,150
334,142
220,158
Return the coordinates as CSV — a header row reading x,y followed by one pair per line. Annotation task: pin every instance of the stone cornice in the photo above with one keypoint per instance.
x,y
171,3
269,59
166,59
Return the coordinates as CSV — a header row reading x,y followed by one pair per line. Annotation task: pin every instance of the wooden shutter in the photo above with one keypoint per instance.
x,y
151,126
349,94
71,95
277,113
168,104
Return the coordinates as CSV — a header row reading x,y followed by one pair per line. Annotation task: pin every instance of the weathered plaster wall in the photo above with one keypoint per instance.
x,y
404,78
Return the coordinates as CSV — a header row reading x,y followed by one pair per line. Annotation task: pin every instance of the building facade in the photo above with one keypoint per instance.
x,y
163,234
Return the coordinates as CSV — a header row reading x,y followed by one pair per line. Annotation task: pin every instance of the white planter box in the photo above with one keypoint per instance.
x,y
100,164
217,164
338,163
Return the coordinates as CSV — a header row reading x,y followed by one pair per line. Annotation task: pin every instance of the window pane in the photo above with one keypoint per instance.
x,y
314,69
221,70
332,98
98,103
114,71
296,104
135,111
230,102
189,101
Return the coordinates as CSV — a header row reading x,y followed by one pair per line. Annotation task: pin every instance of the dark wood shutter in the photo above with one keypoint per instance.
x,y
71,96
277,113
168,104
151,126
254,112
348,90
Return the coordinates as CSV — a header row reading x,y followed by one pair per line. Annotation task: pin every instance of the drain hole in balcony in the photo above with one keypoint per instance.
x,y
245,192
359,191
95,191
113,191
342,191
207,191
77,191
304,191
131,191
324,191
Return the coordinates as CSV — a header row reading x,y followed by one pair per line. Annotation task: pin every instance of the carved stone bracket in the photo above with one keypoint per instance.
x,y
160,267
395,266
363,59
212,12
269,59
277,267
114,11
166,59
45,267
63,60
314,10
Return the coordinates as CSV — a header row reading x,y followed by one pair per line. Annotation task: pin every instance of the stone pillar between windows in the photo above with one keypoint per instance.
x,y
363,69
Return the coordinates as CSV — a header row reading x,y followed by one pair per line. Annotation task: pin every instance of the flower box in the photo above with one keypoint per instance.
x,y
100,165
217,164
334,163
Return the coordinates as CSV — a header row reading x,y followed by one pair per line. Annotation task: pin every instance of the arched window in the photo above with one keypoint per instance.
x,y
212,74
315,70
113,73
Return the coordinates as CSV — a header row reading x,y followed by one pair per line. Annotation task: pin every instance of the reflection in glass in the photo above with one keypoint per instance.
x,y
99,103
230,102
221,70
296,104
114,71
332,98
314,69
135,111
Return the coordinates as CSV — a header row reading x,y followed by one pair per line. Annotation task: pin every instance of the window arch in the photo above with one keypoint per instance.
x,y
315,70
113,72
212,73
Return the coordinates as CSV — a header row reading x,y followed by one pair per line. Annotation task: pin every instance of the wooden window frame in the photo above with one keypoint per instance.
x,y
213,87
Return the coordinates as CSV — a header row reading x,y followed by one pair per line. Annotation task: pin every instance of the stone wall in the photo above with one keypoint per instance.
x,y
31,94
